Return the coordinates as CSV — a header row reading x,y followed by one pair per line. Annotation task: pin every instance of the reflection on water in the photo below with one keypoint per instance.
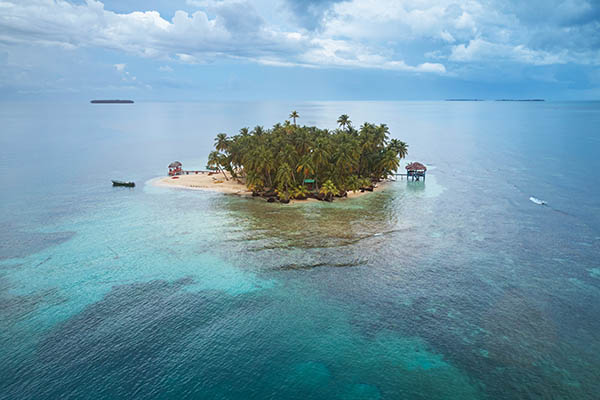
x,y
312,225
415,186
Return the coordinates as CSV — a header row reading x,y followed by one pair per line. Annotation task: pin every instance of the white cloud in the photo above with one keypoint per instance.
x,y
125,75
474,30
398,20
186,58
236,32
145,33
447,37
481,50
432,67
400,35
211,3
165,68
330,52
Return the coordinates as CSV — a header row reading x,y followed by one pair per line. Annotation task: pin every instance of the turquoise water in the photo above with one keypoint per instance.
x,y
456,288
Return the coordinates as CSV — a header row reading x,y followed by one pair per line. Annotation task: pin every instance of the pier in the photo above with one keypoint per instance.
x,y
176,168
185,172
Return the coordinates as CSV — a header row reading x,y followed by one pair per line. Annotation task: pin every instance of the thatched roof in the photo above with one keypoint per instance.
x,y
416,166
175,164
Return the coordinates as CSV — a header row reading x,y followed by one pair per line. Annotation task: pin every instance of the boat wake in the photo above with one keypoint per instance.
x,y
545,203
538,201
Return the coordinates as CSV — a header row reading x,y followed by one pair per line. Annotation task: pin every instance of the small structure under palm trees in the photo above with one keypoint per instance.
x,y
415,170
175,168
310,184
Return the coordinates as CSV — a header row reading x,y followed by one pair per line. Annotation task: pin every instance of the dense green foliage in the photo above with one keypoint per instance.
x,y
281,158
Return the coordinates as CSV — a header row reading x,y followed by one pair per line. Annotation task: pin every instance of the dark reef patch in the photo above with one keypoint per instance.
x,y
125,345
19,244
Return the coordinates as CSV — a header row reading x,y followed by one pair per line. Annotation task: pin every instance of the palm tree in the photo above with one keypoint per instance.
x,y
346,157
364,182
305,166
214,162
236,156
380,135
265,163
344,121
300,192
288,127
258,130
353,183
294,115
221,142
388,163
329,190
303,142
254,182
320,156
399,147
284,177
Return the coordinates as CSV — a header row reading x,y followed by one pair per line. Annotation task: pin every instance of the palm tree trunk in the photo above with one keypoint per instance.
x,y
223,172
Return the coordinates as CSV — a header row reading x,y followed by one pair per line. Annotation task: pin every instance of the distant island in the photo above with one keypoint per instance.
x,y
111,101
495,100
520,100
291,162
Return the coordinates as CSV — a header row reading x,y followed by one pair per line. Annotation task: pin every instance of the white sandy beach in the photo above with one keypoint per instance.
x,y
217,183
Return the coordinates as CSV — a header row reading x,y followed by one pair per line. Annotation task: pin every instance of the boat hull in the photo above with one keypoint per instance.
x,y
125,184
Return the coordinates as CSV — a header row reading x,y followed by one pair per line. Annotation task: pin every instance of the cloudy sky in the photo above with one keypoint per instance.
x,y
299,49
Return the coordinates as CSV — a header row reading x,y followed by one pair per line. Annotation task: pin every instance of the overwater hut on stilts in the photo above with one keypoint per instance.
x,y
415,171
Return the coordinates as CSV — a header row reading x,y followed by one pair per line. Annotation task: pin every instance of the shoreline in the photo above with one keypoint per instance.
x,y
217,183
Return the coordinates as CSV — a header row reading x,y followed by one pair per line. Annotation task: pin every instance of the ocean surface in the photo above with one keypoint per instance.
x,y
458,287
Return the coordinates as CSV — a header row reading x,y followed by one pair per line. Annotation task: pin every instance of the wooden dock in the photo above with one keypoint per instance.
x,y
185,172
411,177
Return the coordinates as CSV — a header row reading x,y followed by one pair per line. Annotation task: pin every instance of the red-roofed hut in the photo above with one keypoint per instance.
x,y
175,168
415,170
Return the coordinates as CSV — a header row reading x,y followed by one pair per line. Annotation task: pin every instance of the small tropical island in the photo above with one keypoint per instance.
x,y
111,101
291,162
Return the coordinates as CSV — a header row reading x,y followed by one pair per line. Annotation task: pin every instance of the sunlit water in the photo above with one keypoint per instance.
x,y
459,287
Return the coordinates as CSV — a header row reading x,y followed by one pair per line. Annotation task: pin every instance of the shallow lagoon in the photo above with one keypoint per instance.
x,y
459,287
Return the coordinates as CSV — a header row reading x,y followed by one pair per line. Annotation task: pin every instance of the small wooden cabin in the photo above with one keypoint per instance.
x,y
415,171
309,183
175,168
